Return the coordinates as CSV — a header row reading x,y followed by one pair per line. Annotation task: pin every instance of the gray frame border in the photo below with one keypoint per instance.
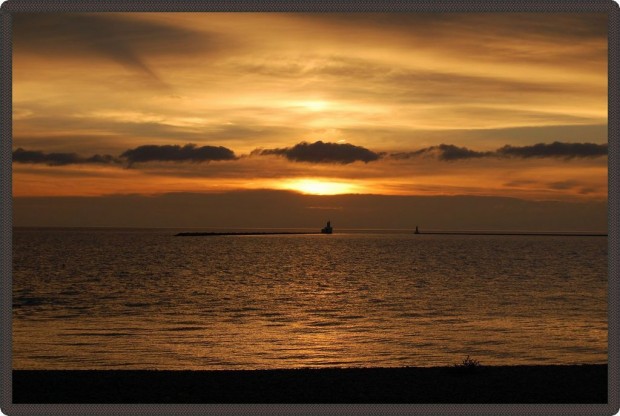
x,y
576,6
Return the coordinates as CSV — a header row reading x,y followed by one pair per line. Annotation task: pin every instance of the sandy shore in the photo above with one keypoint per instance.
x,y
509,384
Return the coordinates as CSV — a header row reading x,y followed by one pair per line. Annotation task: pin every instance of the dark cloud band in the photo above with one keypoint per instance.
x,y
321,152
60,159
558,150
176,153
442,152
147,153
555,149
317,152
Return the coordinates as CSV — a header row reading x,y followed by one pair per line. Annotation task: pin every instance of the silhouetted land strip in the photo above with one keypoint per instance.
x,y
497,384
241,233
507,233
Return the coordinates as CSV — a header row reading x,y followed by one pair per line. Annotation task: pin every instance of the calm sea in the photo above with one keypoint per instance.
x,y
144,299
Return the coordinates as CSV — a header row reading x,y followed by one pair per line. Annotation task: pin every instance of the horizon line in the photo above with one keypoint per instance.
x,y
432,231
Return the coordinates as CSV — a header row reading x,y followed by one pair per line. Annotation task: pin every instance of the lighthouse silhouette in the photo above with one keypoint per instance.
x,y
327,229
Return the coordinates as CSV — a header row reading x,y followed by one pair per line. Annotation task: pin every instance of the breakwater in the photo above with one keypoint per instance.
x,y
240,233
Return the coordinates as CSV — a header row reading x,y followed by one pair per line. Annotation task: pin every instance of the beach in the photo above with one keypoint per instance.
x,y
485,384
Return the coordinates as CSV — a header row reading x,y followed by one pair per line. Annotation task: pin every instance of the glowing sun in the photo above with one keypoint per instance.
x,y
319,187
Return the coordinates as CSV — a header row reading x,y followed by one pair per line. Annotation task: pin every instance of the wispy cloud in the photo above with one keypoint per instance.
x,y
124,39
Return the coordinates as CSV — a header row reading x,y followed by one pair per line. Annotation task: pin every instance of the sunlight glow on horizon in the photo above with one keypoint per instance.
x,y
319,187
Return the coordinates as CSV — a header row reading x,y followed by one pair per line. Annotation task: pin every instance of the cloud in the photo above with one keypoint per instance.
x,y
321,152
147,153
449,152
59,159
446,152
339,75
175,153
317,152
477,35
555,149
120,38
563,185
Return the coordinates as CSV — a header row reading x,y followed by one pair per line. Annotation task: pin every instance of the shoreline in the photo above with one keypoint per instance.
x,y
585,383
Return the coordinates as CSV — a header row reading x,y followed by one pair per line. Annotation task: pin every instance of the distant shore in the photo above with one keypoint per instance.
x,y
514,233
481,233
487,384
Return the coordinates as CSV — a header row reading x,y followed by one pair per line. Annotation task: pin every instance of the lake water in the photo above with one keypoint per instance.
x,y
144,299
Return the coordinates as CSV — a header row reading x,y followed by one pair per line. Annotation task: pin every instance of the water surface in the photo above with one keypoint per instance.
x,y
144,299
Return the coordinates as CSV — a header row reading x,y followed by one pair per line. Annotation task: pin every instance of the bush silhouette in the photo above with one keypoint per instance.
x,y
468,365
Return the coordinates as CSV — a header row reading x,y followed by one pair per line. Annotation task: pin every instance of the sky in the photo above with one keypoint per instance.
x,y
398,106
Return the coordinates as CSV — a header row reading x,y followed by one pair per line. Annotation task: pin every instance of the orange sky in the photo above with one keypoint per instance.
x,y
373,97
